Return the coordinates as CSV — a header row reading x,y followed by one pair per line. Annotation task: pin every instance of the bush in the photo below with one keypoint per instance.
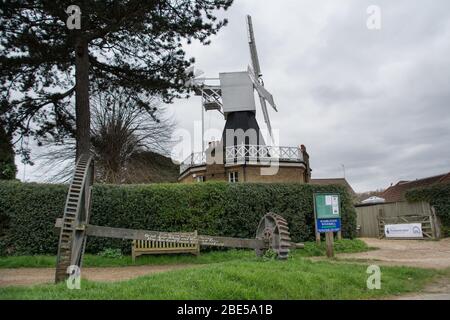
x,y
312,249
111,253
210,208
30,210
438,196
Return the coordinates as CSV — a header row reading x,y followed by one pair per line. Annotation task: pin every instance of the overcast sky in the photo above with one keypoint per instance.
x,y
376,101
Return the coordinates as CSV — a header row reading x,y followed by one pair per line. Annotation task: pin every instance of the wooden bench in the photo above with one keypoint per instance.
x,y
141,247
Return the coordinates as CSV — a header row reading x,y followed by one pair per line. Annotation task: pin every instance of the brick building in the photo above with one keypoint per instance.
x,y
396,193
247,163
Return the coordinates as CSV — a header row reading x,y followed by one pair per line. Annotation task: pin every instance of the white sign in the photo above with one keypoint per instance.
x,y
406,230
335,204
334,201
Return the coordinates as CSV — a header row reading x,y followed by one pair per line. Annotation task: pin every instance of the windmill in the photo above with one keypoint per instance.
x,y
232,94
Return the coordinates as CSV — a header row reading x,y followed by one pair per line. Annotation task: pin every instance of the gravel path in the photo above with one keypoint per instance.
x,y
412,253
33,276
437,290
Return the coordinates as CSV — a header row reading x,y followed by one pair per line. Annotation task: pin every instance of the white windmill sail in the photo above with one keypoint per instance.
x,y
234,95
256,77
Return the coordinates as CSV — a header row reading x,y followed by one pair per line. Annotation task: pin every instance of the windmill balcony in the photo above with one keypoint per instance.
x,y
252,154
193,160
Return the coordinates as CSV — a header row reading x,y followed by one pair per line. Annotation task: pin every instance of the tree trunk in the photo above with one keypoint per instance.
x,y
82,110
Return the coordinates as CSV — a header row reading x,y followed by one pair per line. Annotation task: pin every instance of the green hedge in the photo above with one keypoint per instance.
x,y
438,196
211,208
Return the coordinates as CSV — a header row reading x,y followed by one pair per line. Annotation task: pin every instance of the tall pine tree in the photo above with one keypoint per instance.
x,y
133,44
8,168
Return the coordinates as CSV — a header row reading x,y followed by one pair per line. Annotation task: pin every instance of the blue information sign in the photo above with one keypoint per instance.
x,y
328,225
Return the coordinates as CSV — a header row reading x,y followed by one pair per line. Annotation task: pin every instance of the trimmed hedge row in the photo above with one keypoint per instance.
x,y
438,196
211,208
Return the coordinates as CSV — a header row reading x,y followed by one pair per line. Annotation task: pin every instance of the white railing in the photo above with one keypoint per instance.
x,y
247,153
195,159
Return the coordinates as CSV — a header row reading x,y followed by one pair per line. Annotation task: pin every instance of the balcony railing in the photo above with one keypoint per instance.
x,y
247,154
195,159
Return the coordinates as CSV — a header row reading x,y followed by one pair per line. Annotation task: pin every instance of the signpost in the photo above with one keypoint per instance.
x,y
327,214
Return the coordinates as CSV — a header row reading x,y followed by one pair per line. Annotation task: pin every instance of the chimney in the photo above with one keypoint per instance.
x,y
308,170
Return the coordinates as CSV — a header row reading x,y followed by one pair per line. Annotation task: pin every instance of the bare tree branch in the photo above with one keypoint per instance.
x,y
126,131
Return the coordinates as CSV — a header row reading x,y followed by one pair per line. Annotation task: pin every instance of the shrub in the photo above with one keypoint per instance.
x,y
111,253
312,249
210,208
438,196
269,255
30,210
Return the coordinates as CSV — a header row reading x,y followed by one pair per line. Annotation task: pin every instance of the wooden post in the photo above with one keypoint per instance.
x,y
381,223
329,241
197,243
315,228
82,110
339,235
435,223
133,254
315,221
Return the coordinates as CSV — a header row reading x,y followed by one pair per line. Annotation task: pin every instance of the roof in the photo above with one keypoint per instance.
x,y
397,192
338,181
373,199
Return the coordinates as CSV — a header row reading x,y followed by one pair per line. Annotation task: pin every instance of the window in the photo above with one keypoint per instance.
x,y
233,176
199,178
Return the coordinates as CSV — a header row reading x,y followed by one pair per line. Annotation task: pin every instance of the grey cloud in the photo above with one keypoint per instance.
x,y
376,101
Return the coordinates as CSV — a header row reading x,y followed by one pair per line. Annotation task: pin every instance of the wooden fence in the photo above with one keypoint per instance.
x,y
370,220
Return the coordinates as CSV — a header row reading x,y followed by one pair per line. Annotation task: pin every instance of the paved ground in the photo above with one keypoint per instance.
x,y
412,253
32,276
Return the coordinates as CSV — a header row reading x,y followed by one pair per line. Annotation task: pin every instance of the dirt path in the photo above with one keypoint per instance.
x,y
437,290
412,253
33,276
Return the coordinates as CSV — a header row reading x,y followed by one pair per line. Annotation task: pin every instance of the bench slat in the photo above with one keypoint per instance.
x,y
140,247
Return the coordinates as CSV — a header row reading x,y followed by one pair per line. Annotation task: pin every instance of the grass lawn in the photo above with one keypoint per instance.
x,y
237,274
43,261
247,278
90,260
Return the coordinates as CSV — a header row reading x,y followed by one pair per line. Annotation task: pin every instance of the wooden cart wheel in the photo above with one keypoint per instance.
x,y
273,230
72,238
